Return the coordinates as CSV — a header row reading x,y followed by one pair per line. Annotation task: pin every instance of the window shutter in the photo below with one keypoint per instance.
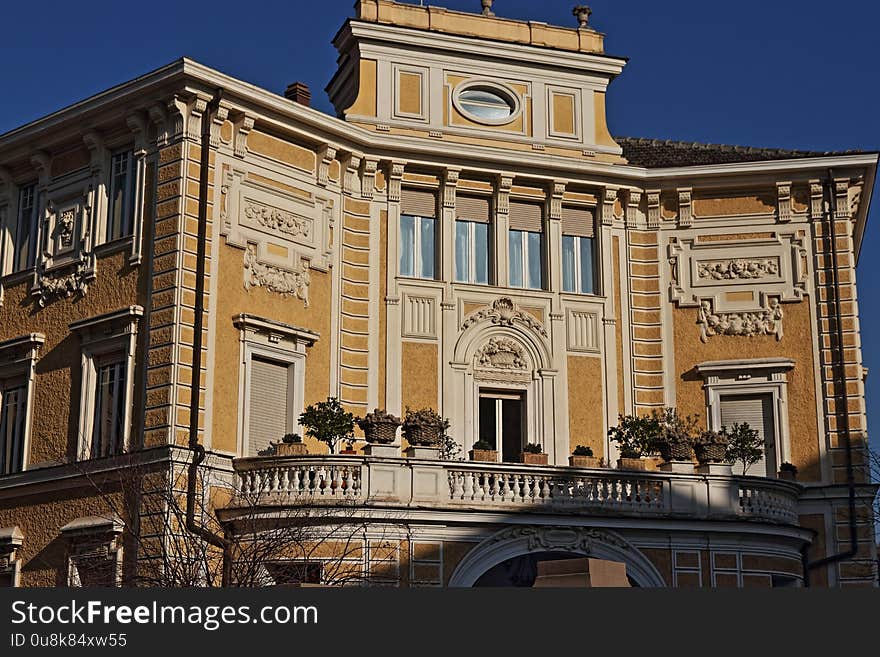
x,y
268,404
577,221
526,216
418,202
757,411
472,208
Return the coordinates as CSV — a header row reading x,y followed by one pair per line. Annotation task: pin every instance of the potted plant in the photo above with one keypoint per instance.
x,y
582,457
533,454
636,436
424,427
483,450
744,445
291,445
675,440
711,447
349,447
788,471
379,427
328,422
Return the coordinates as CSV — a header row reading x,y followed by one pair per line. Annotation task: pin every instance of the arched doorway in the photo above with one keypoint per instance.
x,y
510,557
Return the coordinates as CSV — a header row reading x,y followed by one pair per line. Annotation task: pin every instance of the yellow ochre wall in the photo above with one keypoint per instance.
x,y
55,420
585,403
233,300
796,344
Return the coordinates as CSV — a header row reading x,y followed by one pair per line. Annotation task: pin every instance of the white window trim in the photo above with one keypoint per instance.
x,y
578,279
19,359
11,538
280,342
524,240
93,537
111,333
417,248
471,277
750,377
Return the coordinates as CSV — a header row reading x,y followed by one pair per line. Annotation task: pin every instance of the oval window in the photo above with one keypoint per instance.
x,y
487,104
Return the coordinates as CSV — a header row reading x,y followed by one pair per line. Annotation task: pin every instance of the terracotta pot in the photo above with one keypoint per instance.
x,y
533,459
631,464
584,461
291,449
490,455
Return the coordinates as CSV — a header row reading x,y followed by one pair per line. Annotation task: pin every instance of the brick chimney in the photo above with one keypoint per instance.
x,y
299,92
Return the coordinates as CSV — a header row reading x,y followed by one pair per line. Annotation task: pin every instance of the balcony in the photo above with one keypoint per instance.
x,y
405,483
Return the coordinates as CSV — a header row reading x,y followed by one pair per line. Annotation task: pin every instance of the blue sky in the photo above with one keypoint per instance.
x,y
787,73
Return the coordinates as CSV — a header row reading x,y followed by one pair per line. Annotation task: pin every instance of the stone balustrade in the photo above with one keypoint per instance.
x,y
456,485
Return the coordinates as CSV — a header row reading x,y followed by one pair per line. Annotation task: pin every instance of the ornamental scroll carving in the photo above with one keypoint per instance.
x,y
582,540
503,312
275,279
767,321
62,286
502,354
277,220
66,224
755,269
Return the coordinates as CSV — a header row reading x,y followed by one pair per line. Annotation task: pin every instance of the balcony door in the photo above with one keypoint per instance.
x,y
502,422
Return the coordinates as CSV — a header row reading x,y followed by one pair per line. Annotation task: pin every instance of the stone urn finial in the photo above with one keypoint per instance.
x,y
582,13
487,7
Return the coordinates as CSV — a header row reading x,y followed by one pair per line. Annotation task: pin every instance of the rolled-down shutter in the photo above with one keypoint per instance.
x,y
268,404
418,202
577,221
757,411
526,216
472,208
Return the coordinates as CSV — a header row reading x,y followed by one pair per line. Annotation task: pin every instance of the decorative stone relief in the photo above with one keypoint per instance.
x,y
566,539
275,279
738,269
62,285
504,312
64,229
277,220
747,324
502,354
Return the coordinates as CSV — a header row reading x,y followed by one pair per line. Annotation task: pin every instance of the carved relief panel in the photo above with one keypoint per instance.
x,y
283,223
738,281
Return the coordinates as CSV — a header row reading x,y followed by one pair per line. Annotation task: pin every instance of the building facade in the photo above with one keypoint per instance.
x,y
465,235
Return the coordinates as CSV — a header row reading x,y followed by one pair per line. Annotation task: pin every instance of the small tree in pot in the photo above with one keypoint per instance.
x,y
788,471
328,422
636,436
745,445
379,427
424,427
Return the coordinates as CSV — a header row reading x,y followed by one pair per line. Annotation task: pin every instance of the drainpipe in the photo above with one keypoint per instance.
x,y
198,450
840,396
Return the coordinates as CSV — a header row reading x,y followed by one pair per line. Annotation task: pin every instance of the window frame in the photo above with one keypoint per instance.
x,y
109,336
578,268
19,358
526,254
417,255
33,225
737,378
129,197
279,342
471,253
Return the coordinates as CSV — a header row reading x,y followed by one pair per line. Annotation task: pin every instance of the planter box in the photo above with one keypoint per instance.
x,y
291,449
484,455
533,459
349,451
631,464
584,461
